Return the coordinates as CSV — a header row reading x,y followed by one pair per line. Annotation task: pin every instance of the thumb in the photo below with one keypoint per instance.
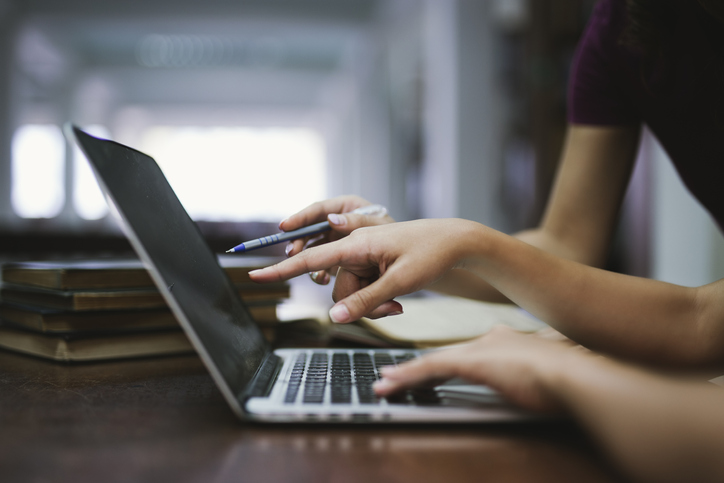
x,y
361,303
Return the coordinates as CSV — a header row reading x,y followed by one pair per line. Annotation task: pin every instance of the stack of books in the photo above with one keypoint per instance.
x,y
84,310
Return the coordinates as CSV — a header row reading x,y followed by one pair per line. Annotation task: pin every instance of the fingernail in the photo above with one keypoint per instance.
x,y
254,272
314,276
386,370
381,385
335,219
289,248
399,312
339,313
282,222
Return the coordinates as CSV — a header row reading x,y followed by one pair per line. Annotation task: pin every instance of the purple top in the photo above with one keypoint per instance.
x,y
679,100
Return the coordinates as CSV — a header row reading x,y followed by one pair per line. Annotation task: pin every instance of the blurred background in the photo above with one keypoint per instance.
x,y
256,108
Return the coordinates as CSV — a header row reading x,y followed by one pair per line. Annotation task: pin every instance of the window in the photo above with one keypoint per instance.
x,y
219,173
240,173
38,171
88,198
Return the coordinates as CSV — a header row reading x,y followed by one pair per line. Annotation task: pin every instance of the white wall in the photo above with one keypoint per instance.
x,y
687,246
462,167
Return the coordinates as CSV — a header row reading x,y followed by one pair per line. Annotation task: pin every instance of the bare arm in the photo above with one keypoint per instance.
x,y
578,224
619,314
654,428
623,315
583,209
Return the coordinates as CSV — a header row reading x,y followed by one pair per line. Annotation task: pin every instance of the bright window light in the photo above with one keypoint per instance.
x,y
239,173
88,199
38,171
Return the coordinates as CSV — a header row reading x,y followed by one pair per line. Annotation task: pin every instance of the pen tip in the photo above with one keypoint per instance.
x,y
230,251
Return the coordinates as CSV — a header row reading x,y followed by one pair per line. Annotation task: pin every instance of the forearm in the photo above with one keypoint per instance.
x,y
655,428
624,315
463,283
582,211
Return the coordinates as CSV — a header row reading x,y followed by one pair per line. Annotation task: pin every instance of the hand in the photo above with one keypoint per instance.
x,y
379,263
338,212
522,367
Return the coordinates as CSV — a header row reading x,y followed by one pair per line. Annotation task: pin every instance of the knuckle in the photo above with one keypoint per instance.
x,y
363,299
303,260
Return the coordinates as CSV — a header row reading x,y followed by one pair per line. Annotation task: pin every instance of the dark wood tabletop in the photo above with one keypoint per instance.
x,y
163,420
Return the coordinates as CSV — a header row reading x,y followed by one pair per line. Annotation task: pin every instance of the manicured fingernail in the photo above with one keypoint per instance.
x,y
335,219
314,276
381,385
289,248
339,313
282,222
255,272
398,312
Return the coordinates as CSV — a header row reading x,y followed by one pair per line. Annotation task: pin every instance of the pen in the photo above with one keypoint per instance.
x,y
317,228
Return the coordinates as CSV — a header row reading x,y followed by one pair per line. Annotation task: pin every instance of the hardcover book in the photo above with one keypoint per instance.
x,y
126,298
96,346
112,273
53,321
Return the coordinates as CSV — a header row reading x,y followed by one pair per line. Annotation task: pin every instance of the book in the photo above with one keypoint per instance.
x,y
354,332
95,347
112,273
98,346
53,321
127,298
443,320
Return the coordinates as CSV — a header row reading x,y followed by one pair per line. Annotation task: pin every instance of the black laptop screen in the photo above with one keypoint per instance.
x,y
182,264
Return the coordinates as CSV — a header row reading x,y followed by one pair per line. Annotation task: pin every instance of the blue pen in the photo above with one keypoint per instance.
x,y
310,230
281,237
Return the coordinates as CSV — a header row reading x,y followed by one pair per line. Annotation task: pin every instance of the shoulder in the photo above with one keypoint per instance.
x,y
600,70
603,32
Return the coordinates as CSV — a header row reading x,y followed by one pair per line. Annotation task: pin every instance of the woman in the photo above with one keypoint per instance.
x,y
658,62
655,428
659,67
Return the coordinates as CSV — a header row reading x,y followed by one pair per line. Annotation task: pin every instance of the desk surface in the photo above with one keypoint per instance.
x,y
161,420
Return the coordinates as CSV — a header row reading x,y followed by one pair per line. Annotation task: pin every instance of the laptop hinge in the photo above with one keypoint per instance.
x,y
263,381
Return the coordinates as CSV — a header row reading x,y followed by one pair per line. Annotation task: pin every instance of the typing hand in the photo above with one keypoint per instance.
x,y
521,367
340,212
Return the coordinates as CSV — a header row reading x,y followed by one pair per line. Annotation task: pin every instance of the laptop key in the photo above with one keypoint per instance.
x,y
295,380
341,379
316,379
364,376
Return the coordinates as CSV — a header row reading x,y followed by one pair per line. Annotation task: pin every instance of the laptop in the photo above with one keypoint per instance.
x,y
259,384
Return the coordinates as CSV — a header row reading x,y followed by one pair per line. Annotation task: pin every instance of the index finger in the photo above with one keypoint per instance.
x,y
438,366
318,211
311,260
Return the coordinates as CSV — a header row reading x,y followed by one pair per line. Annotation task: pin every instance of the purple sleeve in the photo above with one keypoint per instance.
x,y
596,95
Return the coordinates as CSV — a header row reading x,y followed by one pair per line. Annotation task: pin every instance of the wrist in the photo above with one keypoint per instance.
x,y
569,375
472,243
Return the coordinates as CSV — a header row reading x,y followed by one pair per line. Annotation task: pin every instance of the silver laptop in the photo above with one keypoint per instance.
x,y
286,385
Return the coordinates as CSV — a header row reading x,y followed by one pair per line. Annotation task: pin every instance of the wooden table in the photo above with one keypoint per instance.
x,y
161,420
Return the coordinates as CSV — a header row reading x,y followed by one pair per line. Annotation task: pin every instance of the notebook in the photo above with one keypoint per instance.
x,y
259,384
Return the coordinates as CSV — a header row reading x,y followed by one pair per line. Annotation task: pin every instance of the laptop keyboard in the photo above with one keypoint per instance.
x,y
349,377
